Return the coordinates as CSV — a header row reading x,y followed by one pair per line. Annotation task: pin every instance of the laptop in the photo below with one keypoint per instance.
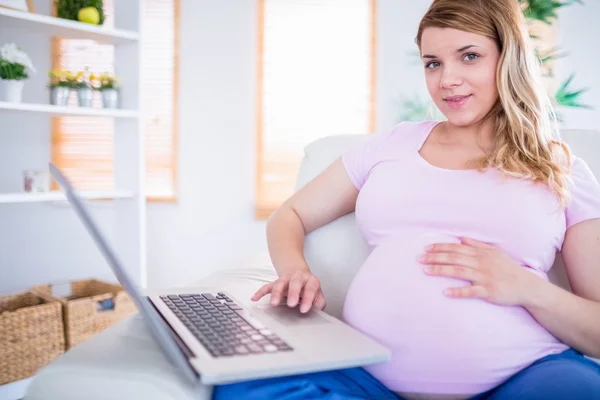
x,y
212,337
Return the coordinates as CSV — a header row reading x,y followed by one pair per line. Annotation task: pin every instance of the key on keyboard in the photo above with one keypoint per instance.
x,y
223,327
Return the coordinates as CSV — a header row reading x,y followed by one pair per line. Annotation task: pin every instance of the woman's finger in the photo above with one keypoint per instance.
x,y
474,291
452,248
454,271
448,259
320,301
311,288
294,289
264,290
279,289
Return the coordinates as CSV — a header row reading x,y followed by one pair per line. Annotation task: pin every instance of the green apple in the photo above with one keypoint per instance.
x,y
89,15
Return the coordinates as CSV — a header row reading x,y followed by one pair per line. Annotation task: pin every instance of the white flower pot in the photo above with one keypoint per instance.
x,y
110,98
85,97
11,91
59,96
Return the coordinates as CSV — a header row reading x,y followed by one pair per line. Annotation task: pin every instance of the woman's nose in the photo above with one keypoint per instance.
x,y
450,78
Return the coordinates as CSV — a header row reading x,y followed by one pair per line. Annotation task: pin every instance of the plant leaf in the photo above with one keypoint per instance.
x,y
544,10
550,54
567,97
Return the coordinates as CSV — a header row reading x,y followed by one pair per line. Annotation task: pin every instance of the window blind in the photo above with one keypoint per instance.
x,y
83,146
316,78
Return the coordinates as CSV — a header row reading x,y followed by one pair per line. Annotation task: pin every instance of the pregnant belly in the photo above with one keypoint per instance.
x,y
438,344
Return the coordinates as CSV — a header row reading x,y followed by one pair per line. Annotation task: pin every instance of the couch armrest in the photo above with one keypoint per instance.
x,y
124,362
121,363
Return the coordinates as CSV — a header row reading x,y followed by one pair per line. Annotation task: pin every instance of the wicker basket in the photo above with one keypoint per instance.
x,y
31,335
91,307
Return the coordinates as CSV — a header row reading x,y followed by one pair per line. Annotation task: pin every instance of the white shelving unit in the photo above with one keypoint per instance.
x,y
129,146
73,111
59,196
50,26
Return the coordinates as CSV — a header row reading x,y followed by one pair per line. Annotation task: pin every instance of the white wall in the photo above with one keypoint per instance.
x,y
212,224
397,75
579,36
213,221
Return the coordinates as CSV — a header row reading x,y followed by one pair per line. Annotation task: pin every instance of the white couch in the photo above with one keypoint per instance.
x,y
124,362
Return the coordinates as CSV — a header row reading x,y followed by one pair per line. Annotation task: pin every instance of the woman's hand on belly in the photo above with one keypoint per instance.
x,y
494,276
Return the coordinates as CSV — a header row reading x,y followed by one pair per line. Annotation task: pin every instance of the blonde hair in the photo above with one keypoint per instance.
x,y
527,143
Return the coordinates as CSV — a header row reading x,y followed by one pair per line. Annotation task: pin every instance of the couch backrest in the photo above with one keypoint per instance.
x,y
336,251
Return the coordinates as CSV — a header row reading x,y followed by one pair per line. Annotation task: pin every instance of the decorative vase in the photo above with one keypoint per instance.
x,y
59,95
110,98
85,97
11,90
36,181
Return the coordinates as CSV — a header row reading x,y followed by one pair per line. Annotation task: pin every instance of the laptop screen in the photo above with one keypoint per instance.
x,y
158,328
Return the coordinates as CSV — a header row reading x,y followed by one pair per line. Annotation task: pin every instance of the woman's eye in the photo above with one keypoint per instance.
x,y
432,65
470,57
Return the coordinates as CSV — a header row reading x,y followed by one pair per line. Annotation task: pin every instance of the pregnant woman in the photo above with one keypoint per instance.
x,y
464,219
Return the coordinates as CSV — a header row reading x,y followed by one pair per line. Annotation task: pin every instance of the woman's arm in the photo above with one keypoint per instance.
x,y
574,318
324,199
327,197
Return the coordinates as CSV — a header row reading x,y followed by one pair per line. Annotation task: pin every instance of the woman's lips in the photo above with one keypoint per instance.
x,y
457,101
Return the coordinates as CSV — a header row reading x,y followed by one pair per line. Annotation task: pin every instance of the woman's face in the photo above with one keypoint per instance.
x,y
460,71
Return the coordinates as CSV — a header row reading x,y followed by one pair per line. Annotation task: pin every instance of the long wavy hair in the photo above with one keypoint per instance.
x,y
527,141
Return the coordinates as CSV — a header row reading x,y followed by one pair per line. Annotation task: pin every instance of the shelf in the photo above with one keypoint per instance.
x,y
51,26
59,196
14,390
73,111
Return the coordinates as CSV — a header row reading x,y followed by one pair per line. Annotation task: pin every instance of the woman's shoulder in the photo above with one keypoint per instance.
x,y
584,193
414,127
580,169
406,132
394,141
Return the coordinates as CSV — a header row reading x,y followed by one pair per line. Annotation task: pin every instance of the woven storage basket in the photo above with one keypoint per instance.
x,y
31,335
91,307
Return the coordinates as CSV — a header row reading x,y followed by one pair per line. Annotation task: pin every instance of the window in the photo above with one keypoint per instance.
x,y
316,78
83,146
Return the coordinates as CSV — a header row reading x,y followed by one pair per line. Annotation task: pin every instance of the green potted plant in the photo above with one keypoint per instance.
x,y
15,67
88,11
108,85
60,86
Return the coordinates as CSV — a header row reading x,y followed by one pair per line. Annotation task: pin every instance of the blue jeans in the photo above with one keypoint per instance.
x,y
568,375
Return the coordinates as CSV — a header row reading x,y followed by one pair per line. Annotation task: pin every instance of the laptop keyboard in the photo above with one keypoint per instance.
x,y
222,326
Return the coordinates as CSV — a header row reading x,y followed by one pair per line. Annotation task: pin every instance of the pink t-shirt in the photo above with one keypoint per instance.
x,y
443,345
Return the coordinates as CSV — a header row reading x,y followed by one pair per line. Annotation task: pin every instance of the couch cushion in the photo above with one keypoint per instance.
x,y
336,251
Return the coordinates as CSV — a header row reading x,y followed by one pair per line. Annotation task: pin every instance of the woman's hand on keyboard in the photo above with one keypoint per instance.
x,y
301,287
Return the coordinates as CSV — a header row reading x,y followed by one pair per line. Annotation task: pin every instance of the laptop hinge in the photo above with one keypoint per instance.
x,y
187,352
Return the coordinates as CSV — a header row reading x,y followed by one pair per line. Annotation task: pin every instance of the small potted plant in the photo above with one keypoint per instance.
x,y
83,86
15,67
87,11
60,85
108,85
